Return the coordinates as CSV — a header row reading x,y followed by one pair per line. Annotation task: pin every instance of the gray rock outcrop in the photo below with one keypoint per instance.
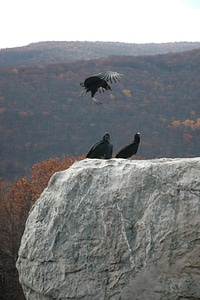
x,y
115,229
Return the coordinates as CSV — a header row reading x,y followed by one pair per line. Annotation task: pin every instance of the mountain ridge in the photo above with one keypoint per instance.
x,y
62,52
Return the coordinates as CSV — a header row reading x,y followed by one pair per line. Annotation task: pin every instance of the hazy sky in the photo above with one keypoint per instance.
x,y
133,21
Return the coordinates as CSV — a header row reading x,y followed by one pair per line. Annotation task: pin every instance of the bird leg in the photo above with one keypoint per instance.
x,y
82,93
101,89
96,101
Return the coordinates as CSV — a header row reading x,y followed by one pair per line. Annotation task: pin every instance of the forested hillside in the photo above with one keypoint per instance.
x,y
63,52
45,126
42,115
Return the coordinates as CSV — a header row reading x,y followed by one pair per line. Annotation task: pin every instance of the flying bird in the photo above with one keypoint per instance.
x,y
102,149
129,149
99,83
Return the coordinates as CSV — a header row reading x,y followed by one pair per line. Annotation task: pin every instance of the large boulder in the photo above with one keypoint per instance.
x,y
115,229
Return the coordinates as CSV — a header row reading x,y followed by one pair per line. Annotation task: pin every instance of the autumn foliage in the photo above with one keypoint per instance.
x,y
42,115
15,202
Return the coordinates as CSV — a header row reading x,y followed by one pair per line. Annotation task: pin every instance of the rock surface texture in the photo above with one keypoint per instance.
x,y
115,229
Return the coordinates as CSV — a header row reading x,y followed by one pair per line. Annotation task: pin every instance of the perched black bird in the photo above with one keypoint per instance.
x,y
103,149
129,149
99,83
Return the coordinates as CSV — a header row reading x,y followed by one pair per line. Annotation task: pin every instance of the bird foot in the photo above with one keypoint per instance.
x,y
96,101
82,93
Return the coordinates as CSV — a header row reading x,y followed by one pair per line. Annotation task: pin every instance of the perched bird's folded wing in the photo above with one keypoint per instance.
x,y
127,150
96,150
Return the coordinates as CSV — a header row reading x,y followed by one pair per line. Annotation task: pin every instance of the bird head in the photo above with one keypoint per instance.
x,y
106,137
137,138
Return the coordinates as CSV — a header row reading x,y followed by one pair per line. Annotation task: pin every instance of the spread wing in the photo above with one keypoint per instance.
x,y
109,76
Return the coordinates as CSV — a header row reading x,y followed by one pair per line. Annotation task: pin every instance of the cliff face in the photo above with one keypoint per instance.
x,y
115,229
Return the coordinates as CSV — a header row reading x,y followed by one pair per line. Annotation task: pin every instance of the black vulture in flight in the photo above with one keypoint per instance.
x,y
99,83
129,149
102,149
